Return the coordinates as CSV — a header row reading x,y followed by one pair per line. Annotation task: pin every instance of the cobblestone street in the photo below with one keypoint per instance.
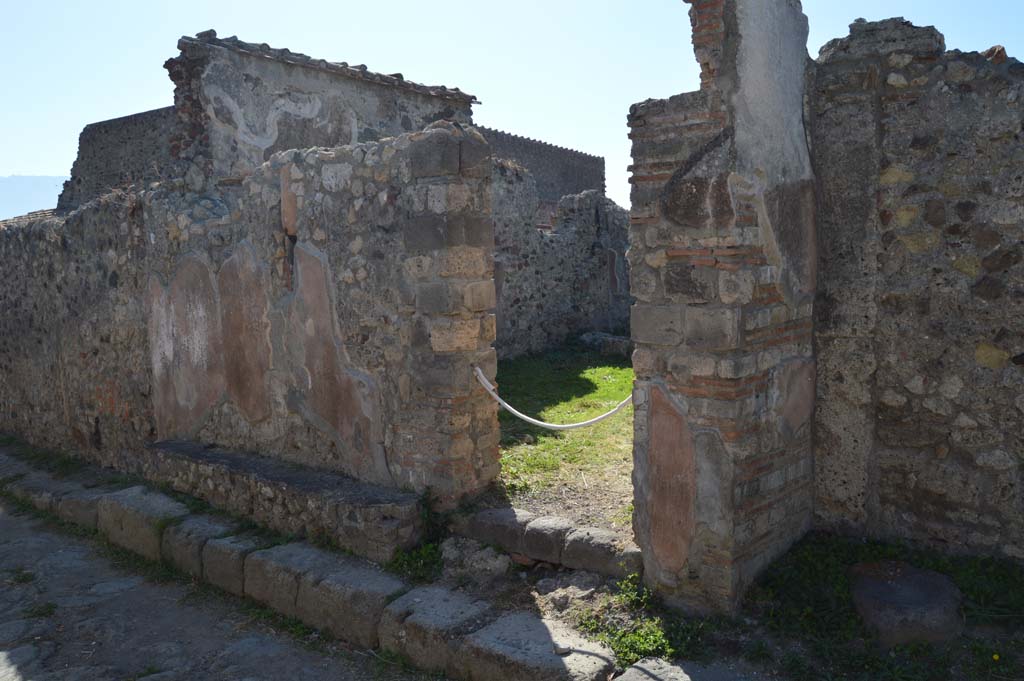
x,y
67,614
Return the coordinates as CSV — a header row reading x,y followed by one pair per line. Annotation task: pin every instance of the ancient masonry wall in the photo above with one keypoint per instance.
x,y
238,103
119,153
919,429
722,255
557,171
556,283
327,311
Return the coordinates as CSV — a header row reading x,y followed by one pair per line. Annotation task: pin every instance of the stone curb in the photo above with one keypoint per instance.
x,y
371,521
434,628
552,539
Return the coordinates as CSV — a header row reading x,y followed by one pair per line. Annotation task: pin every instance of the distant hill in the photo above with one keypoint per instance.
x,y
20,194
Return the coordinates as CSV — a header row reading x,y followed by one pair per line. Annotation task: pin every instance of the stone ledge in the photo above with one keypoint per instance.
x,y
426,626
135,519
371,521
552,539
523,647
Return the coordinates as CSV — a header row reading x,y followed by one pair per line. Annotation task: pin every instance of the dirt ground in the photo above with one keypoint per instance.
x,y
66,614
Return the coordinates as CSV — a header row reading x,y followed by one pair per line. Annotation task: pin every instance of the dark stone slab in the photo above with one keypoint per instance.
x,y
903,604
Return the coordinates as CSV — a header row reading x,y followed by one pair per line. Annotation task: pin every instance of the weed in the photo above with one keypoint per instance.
x,y
422,564
758,651
150,670
57,464
22,576
295,628
40,610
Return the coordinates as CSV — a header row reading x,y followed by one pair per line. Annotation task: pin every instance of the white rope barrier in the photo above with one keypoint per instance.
x,y
489,387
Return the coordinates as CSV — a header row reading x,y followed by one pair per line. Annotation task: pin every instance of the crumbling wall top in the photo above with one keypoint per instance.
x,y
358,72
869,38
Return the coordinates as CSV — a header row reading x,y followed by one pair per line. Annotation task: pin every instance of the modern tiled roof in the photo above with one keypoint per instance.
x,y
359,72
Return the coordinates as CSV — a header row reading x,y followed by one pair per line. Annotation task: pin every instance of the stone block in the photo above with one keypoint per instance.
x,y
224,561
657,324
182,544
436,153
598,550
135,519
524,647
905,605
661,670
272,575
685,283
40,490
434,297
347,598
426,626
479,296
545,537
477,230
425,233
503,527
454,335
711,328
80,508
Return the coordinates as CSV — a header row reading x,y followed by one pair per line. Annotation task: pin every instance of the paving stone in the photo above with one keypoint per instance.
x,y
81,507
224,561
40,490
660,670
348,600
135,519
272,575
426,626
599,550
903,604
504,527
182,544
545,537
11,467
655,670
522,647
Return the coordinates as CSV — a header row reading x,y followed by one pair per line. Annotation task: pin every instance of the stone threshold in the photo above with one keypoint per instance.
x,y
551,539
432,627
371,521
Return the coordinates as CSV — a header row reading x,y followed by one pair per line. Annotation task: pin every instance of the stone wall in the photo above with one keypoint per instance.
x,y
920,310
556,283
722,256
327,312
115,154
238,103
557,171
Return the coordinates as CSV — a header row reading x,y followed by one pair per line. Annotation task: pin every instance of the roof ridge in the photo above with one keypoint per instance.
x,y
358,72
540,142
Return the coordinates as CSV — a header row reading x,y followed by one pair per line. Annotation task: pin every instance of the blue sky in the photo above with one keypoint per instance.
x,y
564,71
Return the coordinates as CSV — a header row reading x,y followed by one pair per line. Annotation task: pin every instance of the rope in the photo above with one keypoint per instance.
x,y
489,387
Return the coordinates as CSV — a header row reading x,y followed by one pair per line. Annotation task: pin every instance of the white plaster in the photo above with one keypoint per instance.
x,y
769,99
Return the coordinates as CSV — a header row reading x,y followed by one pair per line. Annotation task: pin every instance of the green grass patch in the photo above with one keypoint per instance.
x,y
421,564
564,386
806,596
635,625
